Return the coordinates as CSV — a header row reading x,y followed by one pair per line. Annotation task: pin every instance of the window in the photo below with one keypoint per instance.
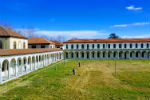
x,y
42,46
98,46
136,45
33,46
93,46
147,45
87,46
103,45
82,46
120,45
108,45
142,45
24,45
72,46
125,45
1,46
66,46
130,45
114,45
77,46
14,45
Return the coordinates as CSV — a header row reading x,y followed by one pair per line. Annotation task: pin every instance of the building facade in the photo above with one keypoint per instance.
x,y
15,63
58,44
107,49
38,42
12,40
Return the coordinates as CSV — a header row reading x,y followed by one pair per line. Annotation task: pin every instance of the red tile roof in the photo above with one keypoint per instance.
x,y
39,40
58,43
107,40
4,52
4,32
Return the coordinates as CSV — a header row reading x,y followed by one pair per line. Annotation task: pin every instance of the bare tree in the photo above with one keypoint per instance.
x,y
6,24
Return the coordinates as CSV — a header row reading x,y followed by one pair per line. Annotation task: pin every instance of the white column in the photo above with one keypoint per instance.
x,y
8,69
22,65
31,64
118,55
95,54
0,73
79,55
129,55
101,55
85,55
106,54
90,55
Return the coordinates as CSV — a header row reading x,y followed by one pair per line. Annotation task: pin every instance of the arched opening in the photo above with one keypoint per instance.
x,y
109,54
66,54
1,45
71,54
88,56
5,70
93,54
82,54
143,54
24,45
15,45
98,54
24,64
104,54
29,64
13,68
115,54
19,69
120,54
33,63
40,61
137,54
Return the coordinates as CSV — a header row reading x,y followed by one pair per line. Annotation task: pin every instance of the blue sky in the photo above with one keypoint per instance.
x,y
79,18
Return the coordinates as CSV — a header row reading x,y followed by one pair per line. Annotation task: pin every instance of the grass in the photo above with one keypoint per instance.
x,y
94,80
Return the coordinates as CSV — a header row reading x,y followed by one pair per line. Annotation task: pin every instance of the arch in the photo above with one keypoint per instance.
x,y
137,54
33,62
93,54
143,53
15,45
19,64
104,54
126,54
115,54
13,67
24,45
98,54
25,64
29,63
5,70
109,54
1,44
120,54
82,54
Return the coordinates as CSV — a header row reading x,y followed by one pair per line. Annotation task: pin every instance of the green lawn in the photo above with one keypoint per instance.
x,y
95,80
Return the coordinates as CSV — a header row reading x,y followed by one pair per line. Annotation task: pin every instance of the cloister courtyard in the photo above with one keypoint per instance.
x,y
95,79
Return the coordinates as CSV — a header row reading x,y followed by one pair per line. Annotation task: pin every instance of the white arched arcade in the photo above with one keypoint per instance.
x,y
13,66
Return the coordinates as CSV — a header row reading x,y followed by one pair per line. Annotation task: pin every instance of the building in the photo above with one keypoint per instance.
x,y
58,44
107,48
38,42
18,62
12,40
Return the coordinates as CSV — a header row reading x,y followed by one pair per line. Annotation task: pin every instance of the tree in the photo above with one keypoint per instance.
x,y
113,36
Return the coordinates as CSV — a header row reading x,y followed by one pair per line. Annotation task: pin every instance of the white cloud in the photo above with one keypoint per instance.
x,y
72,34
137,36
133,24
133,8
122,25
